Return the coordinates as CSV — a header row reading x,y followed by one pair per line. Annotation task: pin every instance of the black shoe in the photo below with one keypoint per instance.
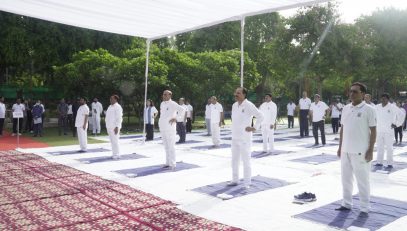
x,y
378,165
81,151
342,208
388,168
307,197
363,214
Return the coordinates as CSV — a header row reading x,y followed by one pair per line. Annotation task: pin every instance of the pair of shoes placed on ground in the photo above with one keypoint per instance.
x,y
387,168
306,197
233,184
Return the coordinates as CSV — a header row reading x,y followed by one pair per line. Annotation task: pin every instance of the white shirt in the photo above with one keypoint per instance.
x,y
242,116
152,111
335,111
168,111
318,111
2,111
189,112
386,116
207,111
70,109
340,105
269,111
215,110
18,108
305,104
97,108
83,110
291,109
401,115
181,116
357,121
114,116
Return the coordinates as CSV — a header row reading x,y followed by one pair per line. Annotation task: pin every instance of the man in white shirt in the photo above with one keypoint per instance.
x,y
114,119
318,112
181,122
290,113
269,110
386,121
190,114
336,109
97,110
398,130
150,112
368,100
304,104
167,125
81,124
216,110
208,117
357,138
2,114
17,107
242,114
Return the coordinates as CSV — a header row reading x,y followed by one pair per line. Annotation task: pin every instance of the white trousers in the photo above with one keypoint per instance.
x,y
215,129
384,142
241,149
168,138
82,138
114,141
95,124
268,138
208,125
355,164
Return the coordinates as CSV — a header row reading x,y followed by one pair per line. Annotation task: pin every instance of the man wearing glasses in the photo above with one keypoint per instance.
x,y
357,139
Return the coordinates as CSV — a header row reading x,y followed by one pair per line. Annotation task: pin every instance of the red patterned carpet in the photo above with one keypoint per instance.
x,y
40,195
8,142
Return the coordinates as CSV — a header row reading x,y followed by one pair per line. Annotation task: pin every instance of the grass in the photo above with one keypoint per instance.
x,y
51,137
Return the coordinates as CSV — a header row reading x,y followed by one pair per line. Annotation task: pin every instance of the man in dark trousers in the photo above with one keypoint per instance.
x,y
304,104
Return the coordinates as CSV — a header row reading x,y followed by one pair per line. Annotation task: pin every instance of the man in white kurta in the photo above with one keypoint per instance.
x,y
242,114
269,110
398,130
386,121
97,110
290,113
304,104
216,111
81,124
114,119
167,125
357,138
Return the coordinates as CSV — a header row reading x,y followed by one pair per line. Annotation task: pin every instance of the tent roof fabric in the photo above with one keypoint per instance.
x,y
150,19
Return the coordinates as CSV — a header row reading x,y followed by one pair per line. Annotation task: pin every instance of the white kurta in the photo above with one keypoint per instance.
x,y
269,110
242,116
215,110
97,110
114,119
356,123
83,111
168,111
386,116
291,109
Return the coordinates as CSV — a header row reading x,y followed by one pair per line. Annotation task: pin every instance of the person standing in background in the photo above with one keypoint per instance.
x,y
181,122
208,117
398,130
150,113
62,110
269,110
290,113
37,112
17,122
114,119
304,104
97,110
2,115
190,115
81,124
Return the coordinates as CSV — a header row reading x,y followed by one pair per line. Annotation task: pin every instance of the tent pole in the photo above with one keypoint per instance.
x,y
242,21
148,42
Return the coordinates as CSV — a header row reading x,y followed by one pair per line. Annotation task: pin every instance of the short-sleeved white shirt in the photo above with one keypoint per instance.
x,y
189,112
18,108
181,116
386,116
335,111
215,109
357,121
401,115
80,116
305,104
168,111
242,116
269,111
291,109
318,111
2,111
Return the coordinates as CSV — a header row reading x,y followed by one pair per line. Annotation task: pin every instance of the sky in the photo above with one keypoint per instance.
x,y
352,9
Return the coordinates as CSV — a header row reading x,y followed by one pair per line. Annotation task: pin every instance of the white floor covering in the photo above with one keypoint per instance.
x,y
267,210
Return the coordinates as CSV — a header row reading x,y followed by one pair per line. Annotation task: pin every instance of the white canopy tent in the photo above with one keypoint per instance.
x,y
149,19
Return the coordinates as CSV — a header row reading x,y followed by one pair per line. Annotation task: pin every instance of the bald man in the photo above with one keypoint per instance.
x,y
167,124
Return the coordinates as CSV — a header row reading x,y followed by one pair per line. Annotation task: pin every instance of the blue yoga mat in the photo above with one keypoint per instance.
x,y
317,159
259,183
131,137
150,170
260,154
101,159
59,153
383,212
190,142
207,147
397,166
